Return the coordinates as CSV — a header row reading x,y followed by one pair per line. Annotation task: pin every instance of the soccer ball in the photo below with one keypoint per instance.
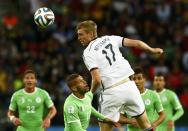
x,y
44,17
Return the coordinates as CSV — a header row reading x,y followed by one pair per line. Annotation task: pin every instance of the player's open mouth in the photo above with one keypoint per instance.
x,y
86,86
29,84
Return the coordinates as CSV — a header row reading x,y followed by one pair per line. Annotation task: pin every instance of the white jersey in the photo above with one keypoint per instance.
x,y
103,53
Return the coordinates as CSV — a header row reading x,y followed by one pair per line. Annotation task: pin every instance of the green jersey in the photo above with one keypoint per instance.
x,y
170,103
30,107
153,106
77,112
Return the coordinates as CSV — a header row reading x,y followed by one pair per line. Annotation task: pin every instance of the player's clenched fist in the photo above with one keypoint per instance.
x,y
46,123
157,50
16,121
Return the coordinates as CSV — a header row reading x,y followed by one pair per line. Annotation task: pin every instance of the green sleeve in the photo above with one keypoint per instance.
x,y
48,101
177,106
158,104
178,114
13,103
175,101
97,114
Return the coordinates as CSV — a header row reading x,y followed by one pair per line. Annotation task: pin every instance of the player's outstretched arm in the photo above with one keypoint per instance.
x,y
51,114
97,114
96,80
115,124
16,121
102,118
125,120
141,45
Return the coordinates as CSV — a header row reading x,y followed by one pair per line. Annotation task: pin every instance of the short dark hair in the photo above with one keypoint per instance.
x,y
138,70
71,78
30,71
159,74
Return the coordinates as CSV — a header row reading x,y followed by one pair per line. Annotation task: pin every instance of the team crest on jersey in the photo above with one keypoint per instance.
x,y
70,109
147,102
22,100
38,99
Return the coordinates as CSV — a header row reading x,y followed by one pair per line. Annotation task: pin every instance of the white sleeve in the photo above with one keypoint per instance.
x,y
90,60
117,40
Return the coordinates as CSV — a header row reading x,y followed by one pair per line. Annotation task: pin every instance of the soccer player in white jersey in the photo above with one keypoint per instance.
x,y
109,69
31,103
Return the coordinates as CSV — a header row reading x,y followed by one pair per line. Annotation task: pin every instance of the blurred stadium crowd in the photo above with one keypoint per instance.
x,y
55,52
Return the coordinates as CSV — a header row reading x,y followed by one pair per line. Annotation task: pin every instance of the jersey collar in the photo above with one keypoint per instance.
x,y
144,92
77,97
162,91
30,93
94,39
91,42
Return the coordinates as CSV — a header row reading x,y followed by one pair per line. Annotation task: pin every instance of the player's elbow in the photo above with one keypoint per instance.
x,y
9,113
138,43
54,110
161,116
181,111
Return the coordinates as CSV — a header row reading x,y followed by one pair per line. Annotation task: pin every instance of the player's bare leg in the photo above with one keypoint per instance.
x,y
124,120
105,127
143,122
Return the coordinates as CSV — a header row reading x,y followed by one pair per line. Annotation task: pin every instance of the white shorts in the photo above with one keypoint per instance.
x,y
123,98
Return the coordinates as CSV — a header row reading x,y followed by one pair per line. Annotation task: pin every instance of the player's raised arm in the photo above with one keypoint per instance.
x,y
141,45
96,79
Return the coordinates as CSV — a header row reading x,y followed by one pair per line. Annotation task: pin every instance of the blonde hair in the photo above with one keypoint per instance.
x,y
88,26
